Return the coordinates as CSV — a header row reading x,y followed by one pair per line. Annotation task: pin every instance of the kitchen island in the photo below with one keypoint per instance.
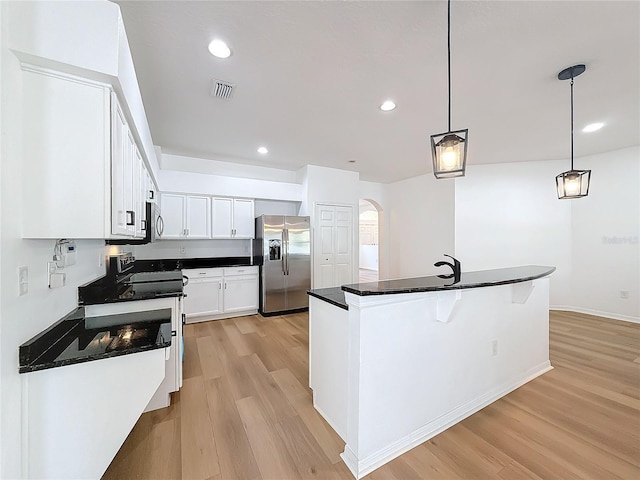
x,y
393,363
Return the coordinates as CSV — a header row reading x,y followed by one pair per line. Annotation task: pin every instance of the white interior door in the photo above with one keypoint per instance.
x,y
333,246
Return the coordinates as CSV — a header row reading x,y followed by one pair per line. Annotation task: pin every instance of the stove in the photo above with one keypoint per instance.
x,y
123,283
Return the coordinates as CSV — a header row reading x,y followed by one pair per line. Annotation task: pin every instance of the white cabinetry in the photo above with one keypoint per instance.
x,y
186,216
215,293
79,156
204,292
232,218
240,289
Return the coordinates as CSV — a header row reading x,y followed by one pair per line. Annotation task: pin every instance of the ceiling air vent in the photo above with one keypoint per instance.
x,y
222,89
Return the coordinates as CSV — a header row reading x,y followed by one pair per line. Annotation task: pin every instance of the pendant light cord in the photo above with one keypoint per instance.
x,y
449,64
571,120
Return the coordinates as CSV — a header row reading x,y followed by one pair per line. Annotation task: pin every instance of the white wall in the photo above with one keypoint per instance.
x,y
331,186
193,249
199,183
604,234
23,317
421,225
228,169
510,215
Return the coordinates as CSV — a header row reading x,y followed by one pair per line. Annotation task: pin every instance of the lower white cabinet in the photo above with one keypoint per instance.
x,y
215,293
204,292
240,289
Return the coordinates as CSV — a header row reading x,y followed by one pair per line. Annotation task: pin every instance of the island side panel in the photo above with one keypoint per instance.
x,y
415,376
75,424
328,362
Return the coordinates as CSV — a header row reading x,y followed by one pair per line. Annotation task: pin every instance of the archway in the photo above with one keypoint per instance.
x,y
369,244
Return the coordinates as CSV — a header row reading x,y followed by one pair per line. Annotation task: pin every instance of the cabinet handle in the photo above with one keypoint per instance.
x,y
131,217
219,286
152,194
143,224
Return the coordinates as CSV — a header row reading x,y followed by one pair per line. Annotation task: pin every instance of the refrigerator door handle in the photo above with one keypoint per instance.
x,y
283,253
285,235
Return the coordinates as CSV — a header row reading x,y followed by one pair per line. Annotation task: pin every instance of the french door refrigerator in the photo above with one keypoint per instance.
x,y
283,251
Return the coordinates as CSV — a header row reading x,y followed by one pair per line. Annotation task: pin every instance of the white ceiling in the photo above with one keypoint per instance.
x,y
310,76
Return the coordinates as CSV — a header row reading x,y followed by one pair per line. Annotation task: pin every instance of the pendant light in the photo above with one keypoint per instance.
x,y
449,149
572,183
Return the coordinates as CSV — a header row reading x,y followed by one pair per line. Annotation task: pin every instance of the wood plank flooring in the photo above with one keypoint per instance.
x,y
245,412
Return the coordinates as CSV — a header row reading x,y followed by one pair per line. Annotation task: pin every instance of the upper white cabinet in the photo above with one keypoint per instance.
x,y
80,157
186,216
232,218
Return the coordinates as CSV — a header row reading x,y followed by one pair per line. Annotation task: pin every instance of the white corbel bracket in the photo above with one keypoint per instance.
x,y
520,292
446,303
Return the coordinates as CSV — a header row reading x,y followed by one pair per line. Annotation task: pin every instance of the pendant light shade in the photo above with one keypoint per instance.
x,y
572,183
449,149
449,153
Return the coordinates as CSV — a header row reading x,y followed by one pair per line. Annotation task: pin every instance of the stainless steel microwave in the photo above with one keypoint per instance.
x,y
153,226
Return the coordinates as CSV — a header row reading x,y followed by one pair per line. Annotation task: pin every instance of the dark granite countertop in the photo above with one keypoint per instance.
x,y
77,339
334,295
106,290
483,278
180,263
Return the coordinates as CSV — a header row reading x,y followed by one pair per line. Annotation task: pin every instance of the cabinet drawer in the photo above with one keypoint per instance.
x,y
233,271
195,273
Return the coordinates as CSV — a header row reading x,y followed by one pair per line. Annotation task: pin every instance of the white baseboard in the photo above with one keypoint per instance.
x,y
363,467
220,316
597,313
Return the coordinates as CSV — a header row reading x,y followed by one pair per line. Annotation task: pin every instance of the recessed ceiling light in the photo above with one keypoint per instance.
x,y
219,49
387,106
263,150
592,127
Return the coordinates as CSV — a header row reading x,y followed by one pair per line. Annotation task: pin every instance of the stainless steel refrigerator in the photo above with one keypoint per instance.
x,y
283,251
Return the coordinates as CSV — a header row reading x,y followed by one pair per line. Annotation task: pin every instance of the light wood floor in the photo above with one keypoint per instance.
x,y
245,412
368,275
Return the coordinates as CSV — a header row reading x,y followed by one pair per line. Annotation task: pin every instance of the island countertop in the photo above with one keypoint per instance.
x,y
482,278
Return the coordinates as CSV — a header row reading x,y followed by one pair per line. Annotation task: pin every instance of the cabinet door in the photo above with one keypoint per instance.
x,y
139,193
151,193
222,213
173,214
204,297
119,156
66,156
198,217
240,293
243,218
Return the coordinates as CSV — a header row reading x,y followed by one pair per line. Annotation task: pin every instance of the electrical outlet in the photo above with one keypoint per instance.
x,y
55,279
182,249
624,294
100,259
494,348
23,280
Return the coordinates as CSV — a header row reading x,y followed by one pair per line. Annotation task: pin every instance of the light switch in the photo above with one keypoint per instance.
x,y
23,280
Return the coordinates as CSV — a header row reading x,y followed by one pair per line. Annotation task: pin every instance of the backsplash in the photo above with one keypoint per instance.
x,y
192,249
